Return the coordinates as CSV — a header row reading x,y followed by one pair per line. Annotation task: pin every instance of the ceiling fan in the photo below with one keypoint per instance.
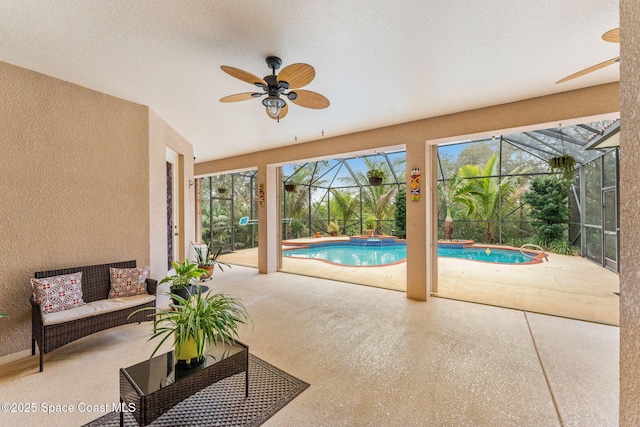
x,y
612,36
276,87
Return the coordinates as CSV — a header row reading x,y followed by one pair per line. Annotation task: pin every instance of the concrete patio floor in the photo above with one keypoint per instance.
x,y
565,286
371,356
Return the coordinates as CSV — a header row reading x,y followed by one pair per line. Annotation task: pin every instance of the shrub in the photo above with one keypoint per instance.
x,y
401,213
548,200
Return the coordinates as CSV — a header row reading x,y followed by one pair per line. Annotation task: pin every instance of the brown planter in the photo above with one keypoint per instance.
x,y
290,187
375,181
208,269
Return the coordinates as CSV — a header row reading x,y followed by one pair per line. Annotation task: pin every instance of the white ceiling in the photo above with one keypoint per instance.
x,y
379,62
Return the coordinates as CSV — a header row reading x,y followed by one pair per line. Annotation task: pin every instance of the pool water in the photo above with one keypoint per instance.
x,y
363,256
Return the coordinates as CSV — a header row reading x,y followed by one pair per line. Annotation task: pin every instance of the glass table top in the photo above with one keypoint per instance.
x,y
160,371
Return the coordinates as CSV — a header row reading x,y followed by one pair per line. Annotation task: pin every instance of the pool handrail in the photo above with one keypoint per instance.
x,y
544,254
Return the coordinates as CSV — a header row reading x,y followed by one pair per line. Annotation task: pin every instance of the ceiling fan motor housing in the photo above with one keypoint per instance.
x,y
274,62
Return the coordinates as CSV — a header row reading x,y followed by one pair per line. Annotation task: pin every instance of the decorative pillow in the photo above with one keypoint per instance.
x,y
58,293
126,282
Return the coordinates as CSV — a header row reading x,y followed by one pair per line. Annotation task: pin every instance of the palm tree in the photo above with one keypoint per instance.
x,y
346,208
455,190
378,200
297,202
491,195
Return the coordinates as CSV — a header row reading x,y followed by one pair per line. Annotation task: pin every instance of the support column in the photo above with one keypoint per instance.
x,y
431,183
268,229
416,225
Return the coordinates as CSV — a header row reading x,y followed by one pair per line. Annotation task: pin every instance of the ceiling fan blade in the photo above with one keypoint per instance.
x,y
240,97
283,112
612,36
245,76
310,99
590,69
297,75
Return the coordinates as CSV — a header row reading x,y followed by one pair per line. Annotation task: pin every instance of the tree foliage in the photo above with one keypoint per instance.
x,y
548,198
401,213
492,196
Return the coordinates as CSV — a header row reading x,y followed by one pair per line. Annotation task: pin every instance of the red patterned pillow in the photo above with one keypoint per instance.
x,y
58,293
126,282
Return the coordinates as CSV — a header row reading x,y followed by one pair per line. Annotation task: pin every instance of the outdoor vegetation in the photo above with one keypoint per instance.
x,y
224,200
494,191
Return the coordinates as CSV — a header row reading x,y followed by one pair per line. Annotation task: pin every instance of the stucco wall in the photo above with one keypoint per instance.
x,y
161,137
629,213
74,185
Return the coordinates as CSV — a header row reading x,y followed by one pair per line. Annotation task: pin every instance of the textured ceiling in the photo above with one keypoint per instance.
x,y
378,62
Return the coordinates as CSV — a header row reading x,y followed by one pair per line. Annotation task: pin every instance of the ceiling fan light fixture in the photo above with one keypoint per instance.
x,y
274,105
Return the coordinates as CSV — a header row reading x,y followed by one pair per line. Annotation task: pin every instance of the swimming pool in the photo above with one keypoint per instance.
x,y
367,256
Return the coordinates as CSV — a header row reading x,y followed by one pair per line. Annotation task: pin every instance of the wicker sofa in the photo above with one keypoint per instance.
x,y
51,332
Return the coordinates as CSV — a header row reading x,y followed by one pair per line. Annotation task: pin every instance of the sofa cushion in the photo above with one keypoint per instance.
x,y
97,307
126,282
58,293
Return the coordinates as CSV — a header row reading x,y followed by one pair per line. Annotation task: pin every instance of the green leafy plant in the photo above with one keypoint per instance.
x,y
213,318
564,164
333,227
370,222
209,258
375,173
187,273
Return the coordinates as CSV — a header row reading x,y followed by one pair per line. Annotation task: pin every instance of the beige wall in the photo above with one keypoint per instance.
x,y
161,137
629,214
82,181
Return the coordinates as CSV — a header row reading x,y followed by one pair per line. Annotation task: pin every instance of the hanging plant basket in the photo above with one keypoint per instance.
x,y
222,190
375,181
564,164
290,187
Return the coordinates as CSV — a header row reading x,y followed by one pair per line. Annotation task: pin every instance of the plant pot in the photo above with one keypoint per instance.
x,y
318,234
290,187
182,292
222,190
187,357
368,232
187,292
209,270
375,181
334,234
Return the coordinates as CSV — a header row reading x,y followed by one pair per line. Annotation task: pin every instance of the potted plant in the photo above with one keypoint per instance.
x,y
197,322
564,164
333,228
375,176
370,225
222,190
207,260
290,187
185,280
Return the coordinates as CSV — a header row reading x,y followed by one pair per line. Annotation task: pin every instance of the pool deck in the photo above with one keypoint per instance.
x,y
567,286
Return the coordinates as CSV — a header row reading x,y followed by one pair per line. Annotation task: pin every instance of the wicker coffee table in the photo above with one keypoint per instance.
x,y
152,387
